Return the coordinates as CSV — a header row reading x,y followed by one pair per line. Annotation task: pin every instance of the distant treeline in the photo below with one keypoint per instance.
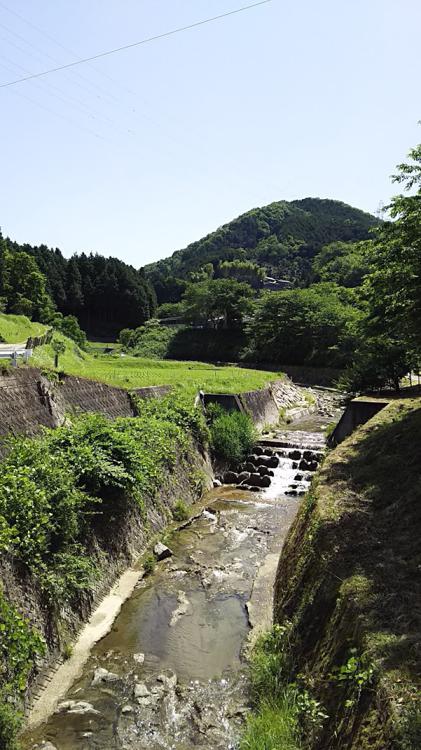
x,y
105,294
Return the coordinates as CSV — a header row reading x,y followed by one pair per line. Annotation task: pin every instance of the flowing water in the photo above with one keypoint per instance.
x,y
171,673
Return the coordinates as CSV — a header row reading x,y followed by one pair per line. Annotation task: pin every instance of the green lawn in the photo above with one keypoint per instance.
x,y
133,372
15,329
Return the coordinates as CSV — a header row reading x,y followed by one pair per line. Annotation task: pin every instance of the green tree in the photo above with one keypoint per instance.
x,y
219,302
58,347
390,336
344,263
243,270
394,286
315,325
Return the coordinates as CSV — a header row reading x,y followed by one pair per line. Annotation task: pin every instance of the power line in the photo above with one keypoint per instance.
x,y
135,44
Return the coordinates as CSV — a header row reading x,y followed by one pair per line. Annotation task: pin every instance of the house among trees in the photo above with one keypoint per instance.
x,y
275,285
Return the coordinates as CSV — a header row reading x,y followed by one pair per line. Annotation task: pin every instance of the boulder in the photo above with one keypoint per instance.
x,y
292,493
298,477
263,471
267,452
270,473
76,707
217,483
264,460
273,462
249,467
259,481
253,488
162,552
243,476
308,465
243,487
252,459
295,455
168,680
102,675
230,477
140,690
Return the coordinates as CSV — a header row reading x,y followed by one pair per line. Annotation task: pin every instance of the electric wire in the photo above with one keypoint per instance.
x,y
124,47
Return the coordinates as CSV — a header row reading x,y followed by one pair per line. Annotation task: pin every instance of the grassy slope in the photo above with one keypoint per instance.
x,y
349,578
15,329
133,372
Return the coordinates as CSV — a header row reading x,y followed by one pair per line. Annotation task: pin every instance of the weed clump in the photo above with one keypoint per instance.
x,y
232,434
180,511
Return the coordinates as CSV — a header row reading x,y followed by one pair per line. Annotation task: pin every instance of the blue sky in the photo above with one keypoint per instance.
x,y
147,150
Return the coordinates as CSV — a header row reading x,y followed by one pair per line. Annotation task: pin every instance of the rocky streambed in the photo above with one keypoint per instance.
x,y
171,674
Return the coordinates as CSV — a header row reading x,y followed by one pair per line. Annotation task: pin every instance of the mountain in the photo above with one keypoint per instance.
x,y
283,237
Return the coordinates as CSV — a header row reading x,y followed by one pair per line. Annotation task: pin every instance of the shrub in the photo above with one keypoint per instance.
x,y
180,511
10,724
233,434
149,564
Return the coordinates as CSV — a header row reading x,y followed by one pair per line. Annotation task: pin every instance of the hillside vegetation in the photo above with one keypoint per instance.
x,y
16,329
348,591
283,237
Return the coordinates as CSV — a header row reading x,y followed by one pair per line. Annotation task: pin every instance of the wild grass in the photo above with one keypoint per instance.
x,y
16,329
275,726
135,372
275,721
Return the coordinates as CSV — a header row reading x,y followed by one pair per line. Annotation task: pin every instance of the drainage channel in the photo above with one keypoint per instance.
x,y
171,674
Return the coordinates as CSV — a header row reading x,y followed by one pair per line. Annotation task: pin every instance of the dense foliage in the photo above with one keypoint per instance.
x,y
312,326
281,238
390,334
23,288
105,294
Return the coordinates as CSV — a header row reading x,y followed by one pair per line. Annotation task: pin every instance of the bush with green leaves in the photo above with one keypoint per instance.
x,y
232,434
180,511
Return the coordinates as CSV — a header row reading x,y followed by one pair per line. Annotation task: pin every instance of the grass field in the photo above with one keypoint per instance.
x,y
133,372
15,329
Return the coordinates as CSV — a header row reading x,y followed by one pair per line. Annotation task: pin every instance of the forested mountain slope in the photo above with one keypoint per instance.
x,y
283,237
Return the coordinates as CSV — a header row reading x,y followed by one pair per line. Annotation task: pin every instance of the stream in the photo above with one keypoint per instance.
x,y
171,674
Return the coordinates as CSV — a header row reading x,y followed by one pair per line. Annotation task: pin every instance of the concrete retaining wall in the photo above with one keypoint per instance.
x,y
29,400
356,413
264,405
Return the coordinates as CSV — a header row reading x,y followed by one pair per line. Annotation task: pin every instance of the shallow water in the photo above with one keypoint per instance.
x,y
175,656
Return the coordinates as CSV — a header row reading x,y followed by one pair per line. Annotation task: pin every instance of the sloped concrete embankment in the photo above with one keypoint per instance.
x,y
30,401
348,587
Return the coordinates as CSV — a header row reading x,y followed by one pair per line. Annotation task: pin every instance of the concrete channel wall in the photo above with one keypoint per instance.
x,y
264,405
29,400
356,413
